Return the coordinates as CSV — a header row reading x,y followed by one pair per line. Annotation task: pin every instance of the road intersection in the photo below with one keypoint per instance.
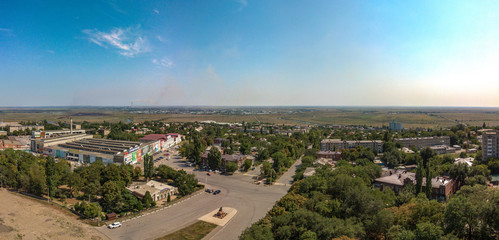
x,y
238,191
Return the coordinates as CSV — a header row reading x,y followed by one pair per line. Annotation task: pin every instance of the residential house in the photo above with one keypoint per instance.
x,y
442,187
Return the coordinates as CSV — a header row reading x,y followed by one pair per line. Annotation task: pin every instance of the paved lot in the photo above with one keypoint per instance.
x,y
238,191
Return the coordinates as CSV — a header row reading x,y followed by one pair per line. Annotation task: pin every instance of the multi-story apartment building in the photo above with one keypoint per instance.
x,y
490,145
422,142
336,145
396,126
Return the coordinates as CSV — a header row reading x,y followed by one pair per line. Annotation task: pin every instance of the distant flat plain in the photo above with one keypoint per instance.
x,y
411,117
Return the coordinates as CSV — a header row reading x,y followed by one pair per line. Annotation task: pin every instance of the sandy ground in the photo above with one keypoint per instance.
x,y
24,218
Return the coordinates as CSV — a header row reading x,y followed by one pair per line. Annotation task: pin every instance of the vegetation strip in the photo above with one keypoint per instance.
x,y
195,231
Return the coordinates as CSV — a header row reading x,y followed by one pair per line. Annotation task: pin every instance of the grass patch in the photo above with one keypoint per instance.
x,y
195,231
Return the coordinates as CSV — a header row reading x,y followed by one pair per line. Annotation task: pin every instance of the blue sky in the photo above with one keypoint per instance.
x,y
244,52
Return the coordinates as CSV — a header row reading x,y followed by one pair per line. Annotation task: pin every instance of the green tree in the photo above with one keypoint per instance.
x,y
91,210
426,154
91,190
378,225
459,172
186,183
166,172
428,187
257,232
460,217
214,158
62,171
419,177
428,231
137,173
111,197
265,169
147,200
247,165
493,165
36,180
75,183
263,154
231,167
51,177
308,235
244,148
279,159
148,166
197,150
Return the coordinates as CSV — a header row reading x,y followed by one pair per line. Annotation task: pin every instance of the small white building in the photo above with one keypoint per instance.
x,y
157,190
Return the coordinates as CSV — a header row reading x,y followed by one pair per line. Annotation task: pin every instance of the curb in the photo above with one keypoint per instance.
x,y
163,208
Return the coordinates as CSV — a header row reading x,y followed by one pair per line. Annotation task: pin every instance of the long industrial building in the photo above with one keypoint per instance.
x,y
336,145
40,144
86,149
109,151
422,142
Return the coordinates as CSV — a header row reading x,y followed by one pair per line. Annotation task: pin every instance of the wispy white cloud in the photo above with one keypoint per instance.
x,y
7,31
156,11
165,62
127,41
243,4
116,7
161,39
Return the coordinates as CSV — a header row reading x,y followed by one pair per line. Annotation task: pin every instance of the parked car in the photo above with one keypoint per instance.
x,y
208,190
216,192
208,173
114,225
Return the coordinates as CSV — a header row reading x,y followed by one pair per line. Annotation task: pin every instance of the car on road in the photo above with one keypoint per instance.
x,y
216,192
208,173
114,225
208,190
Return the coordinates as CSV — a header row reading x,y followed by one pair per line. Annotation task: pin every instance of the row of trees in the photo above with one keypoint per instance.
x,y
102,187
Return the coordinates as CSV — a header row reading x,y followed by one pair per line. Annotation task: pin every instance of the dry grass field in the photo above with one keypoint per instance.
x,y
25,218
411,117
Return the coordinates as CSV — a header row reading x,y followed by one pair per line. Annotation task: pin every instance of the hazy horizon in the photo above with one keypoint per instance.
x,y
249,53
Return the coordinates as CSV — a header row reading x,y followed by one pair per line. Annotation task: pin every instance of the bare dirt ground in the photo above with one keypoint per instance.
x,y
24,218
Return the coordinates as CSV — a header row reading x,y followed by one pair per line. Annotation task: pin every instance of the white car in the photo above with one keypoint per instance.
x,y
114,225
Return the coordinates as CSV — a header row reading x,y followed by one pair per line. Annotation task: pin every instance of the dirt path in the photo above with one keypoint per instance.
x,y
24,218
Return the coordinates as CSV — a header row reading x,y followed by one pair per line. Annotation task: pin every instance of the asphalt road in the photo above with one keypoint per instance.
x,y
237,191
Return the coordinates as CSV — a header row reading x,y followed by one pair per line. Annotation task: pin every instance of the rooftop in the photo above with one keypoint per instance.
x,y
341,141
398,177
152,186
468,161
154,137
401,177
99,145
422,138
